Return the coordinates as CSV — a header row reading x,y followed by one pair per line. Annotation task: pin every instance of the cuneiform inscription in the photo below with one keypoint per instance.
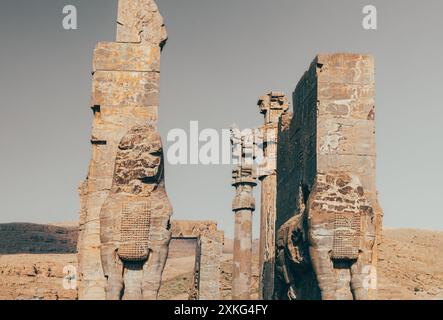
x,y
135,228
346,236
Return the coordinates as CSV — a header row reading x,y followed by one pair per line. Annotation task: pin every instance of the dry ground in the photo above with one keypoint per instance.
x,y
411,267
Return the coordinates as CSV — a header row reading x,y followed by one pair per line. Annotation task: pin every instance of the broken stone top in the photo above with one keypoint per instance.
x,y
273,105
139,161
189,229
139,21
273,100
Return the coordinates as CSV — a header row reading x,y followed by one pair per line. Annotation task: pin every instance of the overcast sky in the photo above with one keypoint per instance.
x,y
220,57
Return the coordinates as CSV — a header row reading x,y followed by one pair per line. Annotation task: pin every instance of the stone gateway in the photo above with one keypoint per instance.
x,y
117,209
320,220
328,217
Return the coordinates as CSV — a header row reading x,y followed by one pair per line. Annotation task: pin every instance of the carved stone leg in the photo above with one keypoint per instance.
x,y
285,289
361,272
358,279
324,270
153,268
133,281
113,269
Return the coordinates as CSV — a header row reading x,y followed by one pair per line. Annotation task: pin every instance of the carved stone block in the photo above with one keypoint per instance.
x,y
327,151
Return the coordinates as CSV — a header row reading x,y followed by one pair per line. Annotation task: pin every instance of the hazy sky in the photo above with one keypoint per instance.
x,y
220,57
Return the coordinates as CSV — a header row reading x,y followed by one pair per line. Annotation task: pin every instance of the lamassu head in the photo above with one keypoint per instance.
x,y
139,158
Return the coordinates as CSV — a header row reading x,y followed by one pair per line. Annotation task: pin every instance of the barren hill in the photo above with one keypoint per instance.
x,y
37,238
411,264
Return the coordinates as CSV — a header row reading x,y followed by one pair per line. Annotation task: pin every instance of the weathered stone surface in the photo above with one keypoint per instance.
x,y
111,122
346,68
272,106
195,229
342,232
112,56
327,198
125,90
139,21
211,250
208,256
243,179
134,220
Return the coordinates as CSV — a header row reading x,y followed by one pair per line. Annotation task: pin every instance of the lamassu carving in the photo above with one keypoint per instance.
x,y
135,219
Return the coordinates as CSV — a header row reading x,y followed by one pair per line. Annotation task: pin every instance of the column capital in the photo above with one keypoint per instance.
x,y
273,105
244,175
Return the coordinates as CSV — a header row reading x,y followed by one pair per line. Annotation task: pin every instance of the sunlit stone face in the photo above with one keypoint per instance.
x,y
139,157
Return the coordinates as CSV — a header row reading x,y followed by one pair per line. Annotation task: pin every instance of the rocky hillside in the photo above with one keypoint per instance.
x,y
36,238
411,264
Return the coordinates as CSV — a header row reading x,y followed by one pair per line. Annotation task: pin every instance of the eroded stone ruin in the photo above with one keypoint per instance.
x,y
135,219
328,217
320,221
208,255
272,106
125,226
125,98
244,179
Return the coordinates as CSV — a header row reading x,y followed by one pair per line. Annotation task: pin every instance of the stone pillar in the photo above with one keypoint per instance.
x,y
328,216
209,252
244,180
125,93
272,106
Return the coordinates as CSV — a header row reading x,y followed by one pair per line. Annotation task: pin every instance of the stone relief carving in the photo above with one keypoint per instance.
x,y
135,219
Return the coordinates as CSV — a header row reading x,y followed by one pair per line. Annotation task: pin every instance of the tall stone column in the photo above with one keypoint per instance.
x,y
244,180
272,106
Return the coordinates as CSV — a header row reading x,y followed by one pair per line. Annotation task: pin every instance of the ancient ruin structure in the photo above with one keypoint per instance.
x,y
320,218
272,106
125,95
208,255
243,179
328,217
134,220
